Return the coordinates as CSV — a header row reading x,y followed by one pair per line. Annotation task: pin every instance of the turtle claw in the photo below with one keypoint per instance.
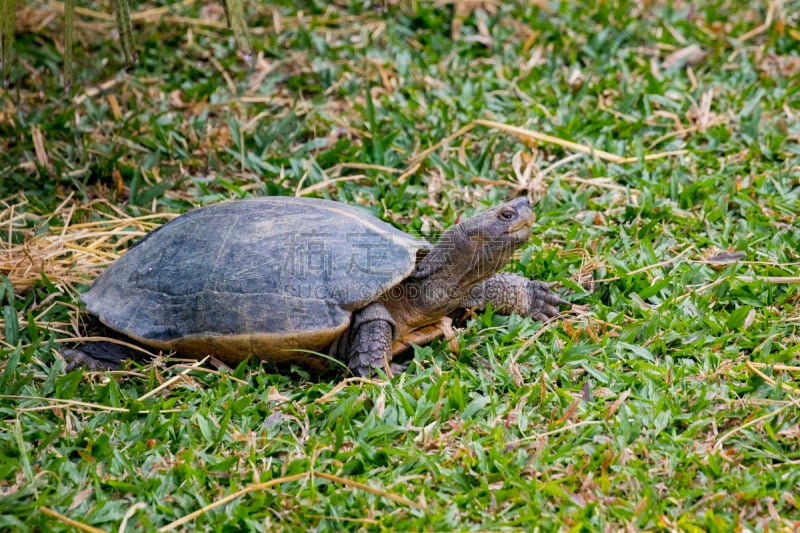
x,y
543,304
398,368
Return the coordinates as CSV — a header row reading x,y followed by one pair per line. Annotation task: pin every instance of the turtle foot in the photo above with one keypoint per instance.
x,y
543,304
96,356
380,372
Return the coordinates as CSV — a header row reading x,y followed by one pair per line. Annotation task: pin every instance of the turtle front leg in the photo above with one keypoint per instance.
x,y
369,343
510,293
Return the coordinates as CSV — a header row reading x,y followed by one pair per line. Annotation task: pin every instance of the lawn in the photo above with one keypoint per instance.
x,y
661,144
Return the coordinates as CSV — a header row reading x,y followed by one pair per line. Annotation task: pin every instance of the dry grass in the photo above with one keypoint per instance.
x,y
62,246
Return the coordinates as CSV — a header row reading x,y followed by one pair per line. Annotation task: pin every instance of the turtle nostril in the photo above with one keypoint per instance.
x,y
522,201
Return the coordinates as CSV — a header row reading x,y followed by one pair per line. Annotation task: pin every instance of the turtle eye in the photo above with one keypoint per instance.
x,y
506,214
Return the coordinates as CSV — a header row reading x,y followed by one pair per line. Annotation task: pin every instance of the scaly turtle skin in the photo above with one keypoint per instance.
x,y
280,277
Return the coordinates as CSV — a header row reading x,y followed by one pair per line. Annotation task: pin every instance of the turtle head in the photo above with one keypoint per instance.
x,y
508,224
475,249
491,237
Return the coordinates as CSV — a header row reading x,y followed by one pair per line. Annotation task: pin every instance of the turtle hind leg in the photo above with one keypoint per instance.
x,y
98,356
369,346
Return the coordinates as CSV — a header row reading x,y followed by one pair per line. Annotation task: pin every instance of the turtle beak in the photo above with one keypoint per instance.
x,y
522,234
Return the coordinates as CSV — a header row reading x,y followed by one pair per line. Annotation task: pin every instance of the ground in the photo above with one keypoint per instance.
x,y
666,399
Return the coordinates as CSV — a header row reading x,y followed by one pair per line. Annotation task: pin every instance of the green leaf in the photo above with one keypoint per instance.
x,y
11,325
474,406
737,318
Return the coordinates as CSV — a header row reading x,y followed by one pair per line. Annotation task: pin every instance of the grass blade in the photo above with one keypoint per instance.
x,y
234,11
69,42
9,11
23,453
123,12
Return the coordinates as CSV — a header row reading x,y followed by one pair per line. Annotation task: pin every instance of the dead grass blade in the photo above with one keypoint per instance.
x,y
265,485
341,386
69,521
523,133
737,429
123,526
755,369
367,488
40,150
795,400
222,375
758,30
229,498
566,428
770,279
148,15
174,379
779,367
526,134
327,183
60,402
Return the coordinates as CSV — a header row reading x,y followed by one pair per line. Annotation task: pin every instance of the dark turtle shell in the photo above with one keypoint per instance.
x,y
266,277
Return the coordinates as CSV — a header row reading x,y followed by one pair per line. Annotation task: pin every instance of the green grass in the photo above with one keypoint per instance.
x,y
645,408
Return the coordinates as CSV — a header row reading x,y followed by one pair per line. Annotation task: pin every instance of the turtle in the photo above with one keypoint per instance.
x,y
307,281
